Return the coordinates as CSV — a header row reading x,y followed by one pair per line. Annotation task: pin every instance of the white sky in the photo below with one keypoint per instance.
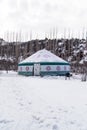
x,y
41,17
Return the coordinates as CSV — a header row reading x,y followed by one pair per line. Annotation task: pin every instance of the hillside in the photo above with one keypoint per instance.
x,y
72,50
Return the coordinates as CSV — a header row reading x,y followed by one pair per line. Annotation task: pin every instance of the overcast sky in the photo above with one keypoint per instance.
x,y
41,17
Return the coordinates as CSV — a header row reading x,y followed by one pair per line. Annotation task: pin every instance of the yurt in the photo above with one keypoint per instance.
x,y
43,63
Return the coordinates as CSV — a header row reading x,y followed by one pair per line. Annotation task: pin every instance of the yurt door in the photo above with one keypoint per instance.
x,y
36,69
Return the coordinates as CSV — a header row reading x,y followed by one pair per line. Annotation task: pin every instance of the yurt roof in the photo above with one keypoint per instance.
x,y
43,56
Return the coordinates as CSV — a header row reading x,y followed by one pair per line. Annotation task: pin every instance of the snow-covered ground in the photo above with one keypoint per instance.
x,y
42,103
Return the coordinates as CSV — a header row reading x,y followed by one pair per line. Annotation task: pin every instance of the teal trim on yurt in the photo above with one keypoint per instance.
x,y
44,73
43,63
53,63
24,64
53,73
25,73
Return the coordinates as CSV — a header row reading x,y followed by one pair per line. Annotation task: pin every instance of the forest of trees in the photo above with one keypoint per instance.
x,y
72,50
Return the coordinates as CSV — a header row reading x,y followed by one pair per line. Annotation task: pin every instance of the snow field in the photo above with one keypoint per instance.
x,y
48,103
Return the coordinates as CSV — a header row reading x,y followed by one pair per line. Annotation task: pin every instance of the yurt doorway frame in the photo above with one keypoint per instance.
x,y
37,69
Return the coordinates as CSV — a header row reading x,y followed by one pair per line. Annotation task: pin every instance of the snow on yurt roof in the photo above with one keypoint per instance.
x,y
43,56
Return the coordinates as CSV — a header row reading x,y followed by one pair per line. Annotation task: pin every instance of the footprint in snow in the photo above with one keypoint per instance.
x,y
55,127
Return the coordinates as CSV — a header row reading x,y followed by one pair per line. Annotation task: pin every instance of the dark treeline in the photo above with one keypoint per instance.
x,y
72,50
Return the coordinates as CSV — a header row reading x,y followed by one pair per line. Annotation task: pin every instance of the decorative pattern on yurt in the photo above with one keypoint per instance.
x,y
43,63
